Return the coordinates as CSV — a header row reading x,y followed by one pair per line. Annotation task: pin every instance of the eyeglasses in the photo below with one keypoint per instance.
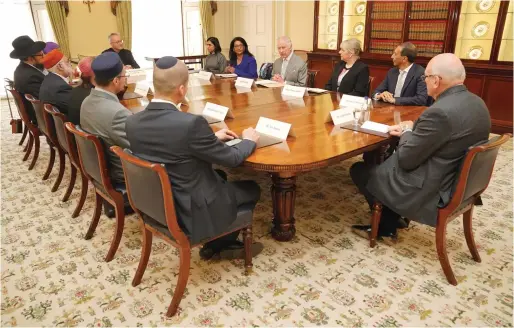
x,y
120,76
118,42
38,55
239,46
424,77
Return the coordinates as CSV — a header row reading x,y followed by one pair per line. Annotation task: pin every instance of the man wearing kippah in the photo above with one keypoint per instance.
x,y
55,88
102,113
206,204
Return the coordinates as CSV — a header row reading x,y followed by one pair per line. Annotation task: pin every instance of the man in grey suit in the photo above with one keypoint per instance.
x,y
205,203
102,113
289,68
418,178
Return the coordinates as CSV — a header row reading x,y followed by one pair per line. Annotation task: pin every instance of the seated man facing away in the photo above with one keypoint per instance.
x,y
205,203
55,88
102,113
418,177
403,84
289,68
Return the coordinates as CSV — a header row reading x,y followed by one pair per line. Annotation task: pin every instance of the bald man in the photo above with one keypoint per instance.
x,y
206,204
418,178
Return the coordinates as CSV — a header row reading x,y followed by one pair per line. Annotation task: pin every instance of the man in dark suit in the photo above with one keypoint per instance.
x,y
117,46
418,178
206,204
403,84
30,73
55,88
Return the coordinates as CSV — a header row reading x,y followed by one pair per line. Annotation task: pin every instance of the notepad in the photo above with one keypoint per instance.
x,y
374,126
226,75
268,84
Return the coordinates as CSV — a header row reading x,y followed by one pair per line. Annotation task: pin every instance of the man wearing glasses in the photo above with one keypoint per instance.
x,y
117,47
30,73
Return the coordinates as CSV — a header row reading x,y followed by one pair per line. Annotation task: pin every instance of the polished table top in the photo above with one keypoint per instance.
x,y
316,143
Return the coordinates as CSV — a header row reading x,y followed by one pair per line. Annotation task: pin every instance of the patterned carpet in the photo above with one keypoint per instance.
x,y
326,276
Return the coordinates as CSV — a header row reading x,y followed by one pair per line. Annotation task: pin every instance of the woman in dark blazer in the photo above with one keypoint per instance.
x,y
350,76
242,62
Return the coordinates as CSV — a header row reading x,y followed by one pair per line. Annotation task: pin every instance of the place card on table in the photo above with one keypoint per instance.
x,y
217,112
204,75
374,126
142,88
352,102
294,91
243,90
135,75
340,116
243,82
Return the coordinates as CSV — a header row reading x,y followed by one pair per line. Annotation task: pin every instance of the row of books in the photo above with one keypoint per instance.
x,y
429,10
427,31
429,49
388,10
386,30
382,47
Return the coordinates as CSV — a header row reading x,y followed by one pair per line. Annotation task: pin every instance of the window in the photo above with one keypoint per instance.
x,y
42,21
174,30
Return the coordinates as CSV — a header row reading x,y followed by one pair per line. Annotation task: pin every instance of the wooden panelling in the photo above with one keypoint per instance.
x,y
497,94
325,67
475,83
379,73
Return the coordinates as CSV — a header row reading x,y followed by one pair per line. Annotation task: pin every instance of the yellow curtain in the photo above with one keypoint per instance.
x,y
57,15
124,22
207,19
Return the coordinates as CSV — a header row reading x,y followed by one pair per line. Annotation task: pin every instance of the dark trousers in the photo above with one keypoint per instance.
x,y
247,193
360,173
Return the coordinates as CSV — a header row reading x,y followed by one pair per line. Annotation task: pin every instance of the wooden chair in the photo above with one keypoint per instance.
x,y
371,78
311,77
150,195
67,143
33,130
94,166
473,179
46,126
8,86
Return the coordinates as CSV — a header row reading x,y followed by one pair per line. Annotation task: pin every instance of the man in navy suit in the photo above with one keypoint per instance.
x,y
403,84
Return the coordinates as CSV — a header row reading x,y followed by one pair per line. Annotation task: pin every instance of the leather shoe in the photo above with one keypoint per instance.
x,y
403,223
231,251
364,231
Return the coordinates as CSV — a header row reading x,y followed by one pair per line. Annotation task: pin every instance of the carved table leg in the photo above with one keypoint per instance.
x,y
283,194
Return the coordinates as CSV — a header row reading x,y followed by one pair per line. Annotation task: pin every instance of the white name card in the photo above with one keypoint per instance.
x,y
204,75
142,88
244,82
352,102
374,126
294,91
273,128
135,75
215,111
340,116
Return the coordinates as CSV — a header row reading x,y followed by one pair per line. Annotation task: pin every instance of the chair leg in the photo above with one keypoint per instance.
x,y
73,177
25,129
83,194
62,167
50,164
183,276
96,217
36,153
375,223
440,241
468,232
247,238
28,147
145,255
118,233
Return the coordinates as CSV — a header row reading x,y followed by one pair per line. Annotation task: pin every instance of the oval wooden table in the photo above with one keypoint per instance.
x,y
316,144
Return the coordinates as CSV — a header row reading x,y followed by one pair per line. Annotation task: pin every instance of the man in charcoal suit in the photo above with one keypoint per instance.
x,y
418,178
289,68
55,88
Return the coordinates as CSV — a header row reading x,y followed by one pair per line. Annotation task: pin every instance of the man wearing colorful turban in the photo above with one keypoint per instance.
x,y
80,92
55,88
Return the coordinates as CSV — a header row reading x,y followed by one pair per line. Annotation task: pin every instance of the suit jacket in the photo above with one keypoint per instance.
x,y
54,90
126,57
78,94
205,204
27,80
296,71
103,115
354,83
247,68
414,90
418,178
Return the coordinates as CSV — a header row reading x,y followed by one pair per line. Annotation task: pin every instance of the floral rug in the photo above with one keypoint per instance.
x,y
326,276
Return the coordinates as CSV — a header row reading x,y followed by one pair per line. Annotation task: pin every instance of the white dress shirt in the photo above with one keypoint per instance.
x,y
401,81
285,62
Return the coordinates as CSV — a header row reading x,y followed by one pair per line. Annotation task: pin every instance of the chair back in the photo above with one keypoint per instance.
x,y
44,123
476,170
371,78
265,71
58,119
149,191
20,104
91,157
311,77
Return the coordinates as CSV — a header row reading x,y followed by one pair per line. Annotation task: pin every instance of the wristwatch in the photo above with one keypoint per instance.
x,y
405,128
